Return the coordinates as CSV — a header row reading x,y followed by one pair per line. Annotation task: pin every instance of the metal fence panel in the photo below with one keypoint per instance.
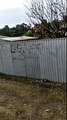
x,y
44,59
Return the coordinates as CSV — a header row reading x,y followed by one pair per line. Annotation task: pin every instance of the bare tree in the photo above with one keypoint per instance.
x,y
50,10
46,9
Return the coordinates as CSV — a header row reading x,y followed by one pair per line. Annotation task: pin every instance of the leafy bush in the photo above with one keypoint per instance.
x,y
29,33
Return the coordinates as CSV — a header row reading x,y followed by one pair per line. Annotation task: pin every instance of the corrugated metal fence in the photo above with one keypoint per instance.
x,y
44,59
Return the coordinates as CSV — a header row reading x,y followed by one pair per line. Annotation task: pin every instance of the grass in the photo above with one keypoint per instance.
x,y
29,99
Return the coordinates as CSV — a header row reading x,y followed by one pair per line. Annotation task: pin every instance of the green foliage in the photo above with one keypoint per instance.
x,y
45,29
53,29
14,31
29,33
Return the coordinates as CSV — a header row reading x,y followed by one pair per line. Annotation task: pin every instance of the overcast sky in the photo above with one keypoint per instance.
x,y
12,12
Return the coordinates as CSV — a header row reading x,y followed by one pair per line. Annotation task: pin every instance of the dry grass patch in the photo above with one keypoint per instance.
x,y
31,101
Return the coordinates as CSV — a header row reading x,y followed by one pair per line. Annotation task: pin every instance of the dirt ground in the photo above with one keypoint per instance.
x,y
24,99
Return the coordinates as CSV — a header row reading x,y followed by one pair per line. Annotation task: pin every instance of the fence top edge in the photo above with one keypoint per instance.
x,y
44,39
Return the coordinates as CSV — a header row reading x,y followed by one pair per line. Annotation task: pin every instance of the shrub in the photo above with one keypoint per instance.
x,y
29,33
